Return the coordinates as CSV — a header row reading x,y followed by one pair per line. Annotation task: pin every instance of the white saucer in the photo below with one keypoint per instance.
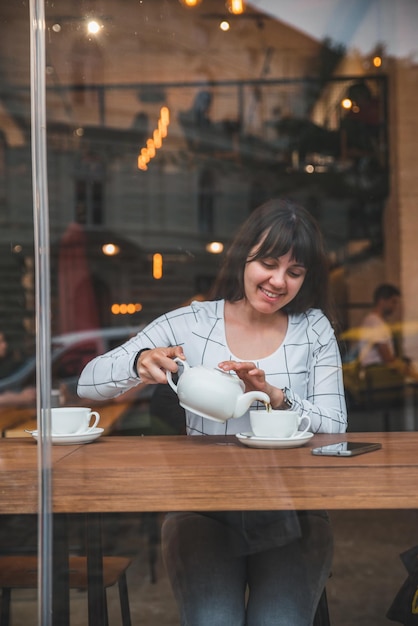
x,y
71,440
248,439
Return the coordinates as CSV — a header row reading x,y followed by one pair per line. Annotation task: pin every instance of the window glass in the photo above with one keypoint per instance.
x,y
168,123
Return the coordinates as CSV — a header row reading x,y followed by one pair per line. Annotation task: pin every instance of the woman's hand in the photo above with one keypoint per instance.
x,y
153,364
254,379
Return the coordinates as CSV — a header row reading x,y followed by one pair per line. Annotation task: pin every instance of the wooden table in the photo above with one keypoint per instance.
x,y
138,474
127,474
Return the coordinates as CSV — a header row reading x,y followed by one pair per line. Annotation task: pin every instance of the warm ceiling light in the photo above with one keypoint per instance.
x,y
215,247
93,27
235,6
157,266
346,103
190,3
224,25
110,249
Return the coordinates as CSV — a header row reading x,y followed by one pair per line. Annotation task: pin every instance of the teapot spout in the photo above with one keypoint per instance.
x,y
245,401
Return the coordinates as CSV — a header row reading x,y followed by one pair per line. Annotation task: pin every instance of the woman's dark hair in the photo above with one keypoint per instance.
x,y
278,226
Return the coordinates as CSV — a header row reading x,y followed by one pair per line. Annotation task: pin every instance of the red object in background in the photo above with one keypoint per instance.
x,y
78,307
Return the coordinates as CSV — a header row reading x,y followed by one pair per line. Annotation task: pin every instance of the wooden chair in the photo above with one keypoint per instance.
x,y
20,572
12,418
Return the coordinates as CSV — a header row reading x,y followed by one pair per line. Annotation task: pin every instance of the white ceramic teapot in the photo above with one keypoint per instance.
x,y
213,394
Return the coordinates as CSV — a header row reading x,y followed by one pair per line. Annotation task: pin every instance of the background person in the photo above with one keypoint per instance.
x,y
377,345
25,397
267,322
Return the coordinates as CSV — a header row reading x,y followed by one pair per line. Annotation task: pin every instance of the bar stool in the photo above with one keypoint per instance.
x,y
20,572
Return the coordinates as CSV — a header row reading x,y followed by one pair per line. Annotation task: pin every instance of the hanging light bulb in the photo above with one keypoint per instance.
x,y
235,6
93,27
190,3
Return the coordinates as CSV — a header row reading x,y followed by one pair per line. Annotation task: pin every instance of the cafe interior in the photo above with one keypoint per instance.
x,y
135,138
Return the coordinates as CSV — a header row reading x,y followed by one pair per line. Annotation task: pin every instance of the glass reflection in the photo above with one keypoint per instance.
x,y
289,100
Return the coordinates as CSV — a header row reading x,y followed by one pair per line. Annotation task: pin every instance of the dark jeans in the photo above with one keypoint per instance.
x,y
216,586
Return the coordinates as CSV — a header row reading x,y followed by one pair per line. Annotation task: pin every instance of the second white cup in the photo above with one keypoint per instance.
x,y
278,424
73,420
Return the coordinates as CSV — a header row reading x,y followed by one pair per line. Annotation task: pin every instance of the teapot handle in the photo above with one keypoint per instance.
x,y
168,373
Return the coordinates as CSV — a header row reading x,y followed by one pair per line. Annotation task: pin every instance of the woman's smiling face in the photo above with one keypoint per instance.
x,y
271,283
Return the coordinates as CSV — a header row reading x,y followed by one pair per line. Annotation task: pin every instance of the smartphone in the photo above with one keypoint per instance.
x,y
346,448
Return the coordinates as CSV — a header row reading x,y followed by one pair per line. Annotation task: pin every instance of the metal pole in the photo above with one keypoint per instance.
x,y
42,303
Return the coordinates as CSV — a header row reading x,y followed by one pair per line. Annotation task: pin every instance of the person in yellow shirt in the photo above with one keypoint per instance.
x,y
377,344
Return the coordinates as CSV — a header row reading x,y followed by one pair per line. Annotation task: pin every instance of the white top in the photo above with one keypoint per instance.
x,y
375,332
307,363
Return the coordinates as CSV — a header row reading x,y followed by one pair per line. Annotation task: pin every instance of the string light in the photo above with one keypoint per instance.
x,y
190,3
126,308
235,6
151,148
157,138
155,142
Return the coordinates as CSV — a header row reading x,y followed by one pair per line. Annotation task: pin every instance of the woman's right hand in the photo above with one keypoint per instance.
x,y
153,364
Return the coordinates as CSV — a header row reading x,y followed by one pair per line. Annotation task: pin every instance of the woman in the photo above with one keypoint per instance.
x,y
267,323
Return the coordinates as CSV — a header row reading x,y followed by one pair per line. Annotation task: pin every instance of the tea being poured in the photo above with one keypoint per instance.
x,y
213,394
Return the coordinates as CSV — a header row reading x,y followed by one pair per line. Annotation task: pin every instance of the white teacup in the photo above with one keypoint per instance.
x,y
73,420
278,424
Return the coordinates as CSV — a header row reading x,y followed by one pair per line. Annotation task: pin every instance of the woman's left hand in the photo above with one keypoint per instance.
x,y
253,378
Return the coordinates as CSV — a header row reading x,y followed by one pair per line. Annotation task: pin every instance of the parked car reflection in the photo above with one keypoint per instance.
x,y
69,354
